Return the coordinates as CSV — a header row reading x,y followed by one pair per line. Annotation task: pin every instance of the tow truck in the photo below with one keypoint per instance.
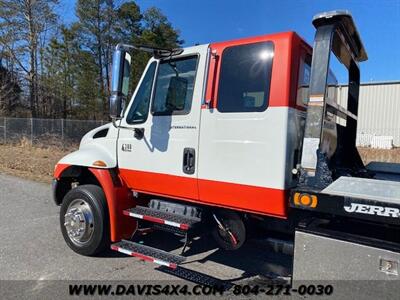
x,y
221,134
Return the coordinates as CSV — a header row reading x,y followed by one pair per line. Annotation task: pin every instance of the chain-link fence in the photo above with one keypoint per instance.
x,y
44,131
62,132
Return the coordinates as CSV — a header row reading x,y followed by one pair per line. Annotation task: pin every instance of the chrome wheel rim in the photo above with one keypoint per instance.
x,y
79,222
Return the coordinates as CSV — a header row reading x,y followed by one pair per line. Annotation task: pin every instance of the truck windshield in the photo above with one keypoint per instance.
x,y
140,107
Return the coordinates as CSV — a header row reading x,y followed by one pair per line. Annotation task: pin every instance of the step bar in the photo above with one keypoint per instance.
x,y
166,218
147,253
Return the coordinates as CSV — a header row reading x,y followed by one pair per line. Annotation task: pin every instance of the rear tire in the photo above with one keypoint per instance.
x,y
84,220
234,223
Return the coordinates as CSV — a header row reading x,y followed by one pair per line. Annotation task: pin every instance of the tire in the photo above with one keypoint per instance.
x,y
234,223
87,203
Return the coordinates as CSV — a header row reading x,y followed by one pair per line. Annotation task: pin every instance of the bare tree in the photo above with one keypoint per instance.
x,y
57,70
22,24
9,90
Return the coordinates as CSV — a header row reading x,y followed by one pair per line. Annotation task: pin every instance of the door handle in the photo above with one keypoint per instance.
x,y
189,160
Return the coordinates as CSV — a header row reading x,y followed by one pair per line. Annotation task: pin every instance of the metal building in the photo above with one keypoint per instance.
x,y
378,113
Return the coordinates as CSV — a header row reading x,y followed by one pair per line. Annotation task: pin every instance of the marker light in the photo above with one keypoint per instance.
x,y
305,200
99,163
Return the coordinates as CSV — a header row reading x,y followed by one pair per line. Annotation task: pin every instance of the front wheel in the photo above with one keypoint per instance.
x,y
84,220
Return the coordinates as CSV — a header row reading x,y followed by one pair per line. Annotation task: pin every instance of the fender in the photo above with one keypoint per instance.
x,y
97,154
91,155
118,197
97,148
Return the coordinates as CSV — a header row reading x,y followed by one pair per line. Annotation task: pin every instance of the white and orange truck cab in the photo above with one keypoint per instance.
x,y
217,134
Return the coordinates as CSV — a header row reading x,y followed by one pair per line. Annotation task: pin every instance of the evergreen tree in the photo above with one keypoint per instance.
x,y
156,31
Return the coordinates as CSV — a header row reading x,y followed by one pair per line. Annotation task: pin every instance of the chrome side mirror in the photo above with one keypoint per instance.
x,y
121,68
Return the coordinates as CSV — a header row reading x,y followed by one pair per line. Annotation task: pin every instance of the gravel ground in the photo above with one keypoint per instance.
x,y
33,252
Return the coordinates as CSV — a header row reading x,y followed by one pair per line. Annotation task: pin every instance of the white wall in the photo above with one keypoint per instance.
x,y
378,111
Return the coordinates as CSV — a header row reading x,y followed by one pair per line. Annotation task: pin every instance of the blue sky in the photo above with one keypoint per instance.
x,y
204,21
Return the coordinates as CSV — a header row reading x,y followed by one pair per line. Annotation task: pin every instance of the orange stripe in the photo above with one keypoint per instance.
x,y
241,197
244,197
162,184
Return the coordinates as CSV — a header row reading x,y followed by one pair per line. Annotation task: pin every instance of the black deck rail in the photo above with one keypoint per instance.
x,y
329,147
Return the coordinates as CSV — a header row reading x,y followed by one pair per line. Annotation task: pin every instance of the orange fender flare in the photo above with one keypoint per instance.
x,y
59,169
118,197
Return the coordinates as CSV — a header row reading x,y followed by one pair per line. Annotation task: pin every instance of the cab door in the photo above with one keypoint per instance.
x,y
243,137
158,138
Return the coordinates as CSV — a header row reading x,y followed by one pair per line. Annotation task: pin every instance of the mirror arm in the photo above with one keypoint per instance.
x,y
155,51
114,123
125,47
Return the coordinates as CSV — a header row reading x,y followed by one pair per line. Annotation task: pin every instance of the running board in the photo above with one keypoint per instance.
x,y
148,254
160,217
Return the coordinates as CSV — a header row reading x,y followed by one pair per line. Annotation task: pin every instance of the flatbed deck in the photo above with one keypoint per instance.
x,y
360,198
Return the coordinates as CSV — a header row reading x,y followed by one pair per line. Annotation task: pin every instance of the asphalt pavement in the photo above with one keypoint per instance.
x,y
32,249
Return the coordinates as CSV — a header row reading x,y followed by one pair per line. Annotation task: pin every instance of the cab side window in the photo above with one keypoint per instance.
x,y
174,86
245,78
304,80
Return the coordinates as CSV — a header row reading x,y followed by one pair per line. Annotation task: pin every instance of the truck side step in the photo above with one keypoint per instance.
x,y
148,253
161,217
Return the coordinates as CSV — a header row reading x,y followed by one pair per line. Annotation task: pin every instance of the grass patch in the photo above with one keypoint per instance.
x,y
31,162
382,155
